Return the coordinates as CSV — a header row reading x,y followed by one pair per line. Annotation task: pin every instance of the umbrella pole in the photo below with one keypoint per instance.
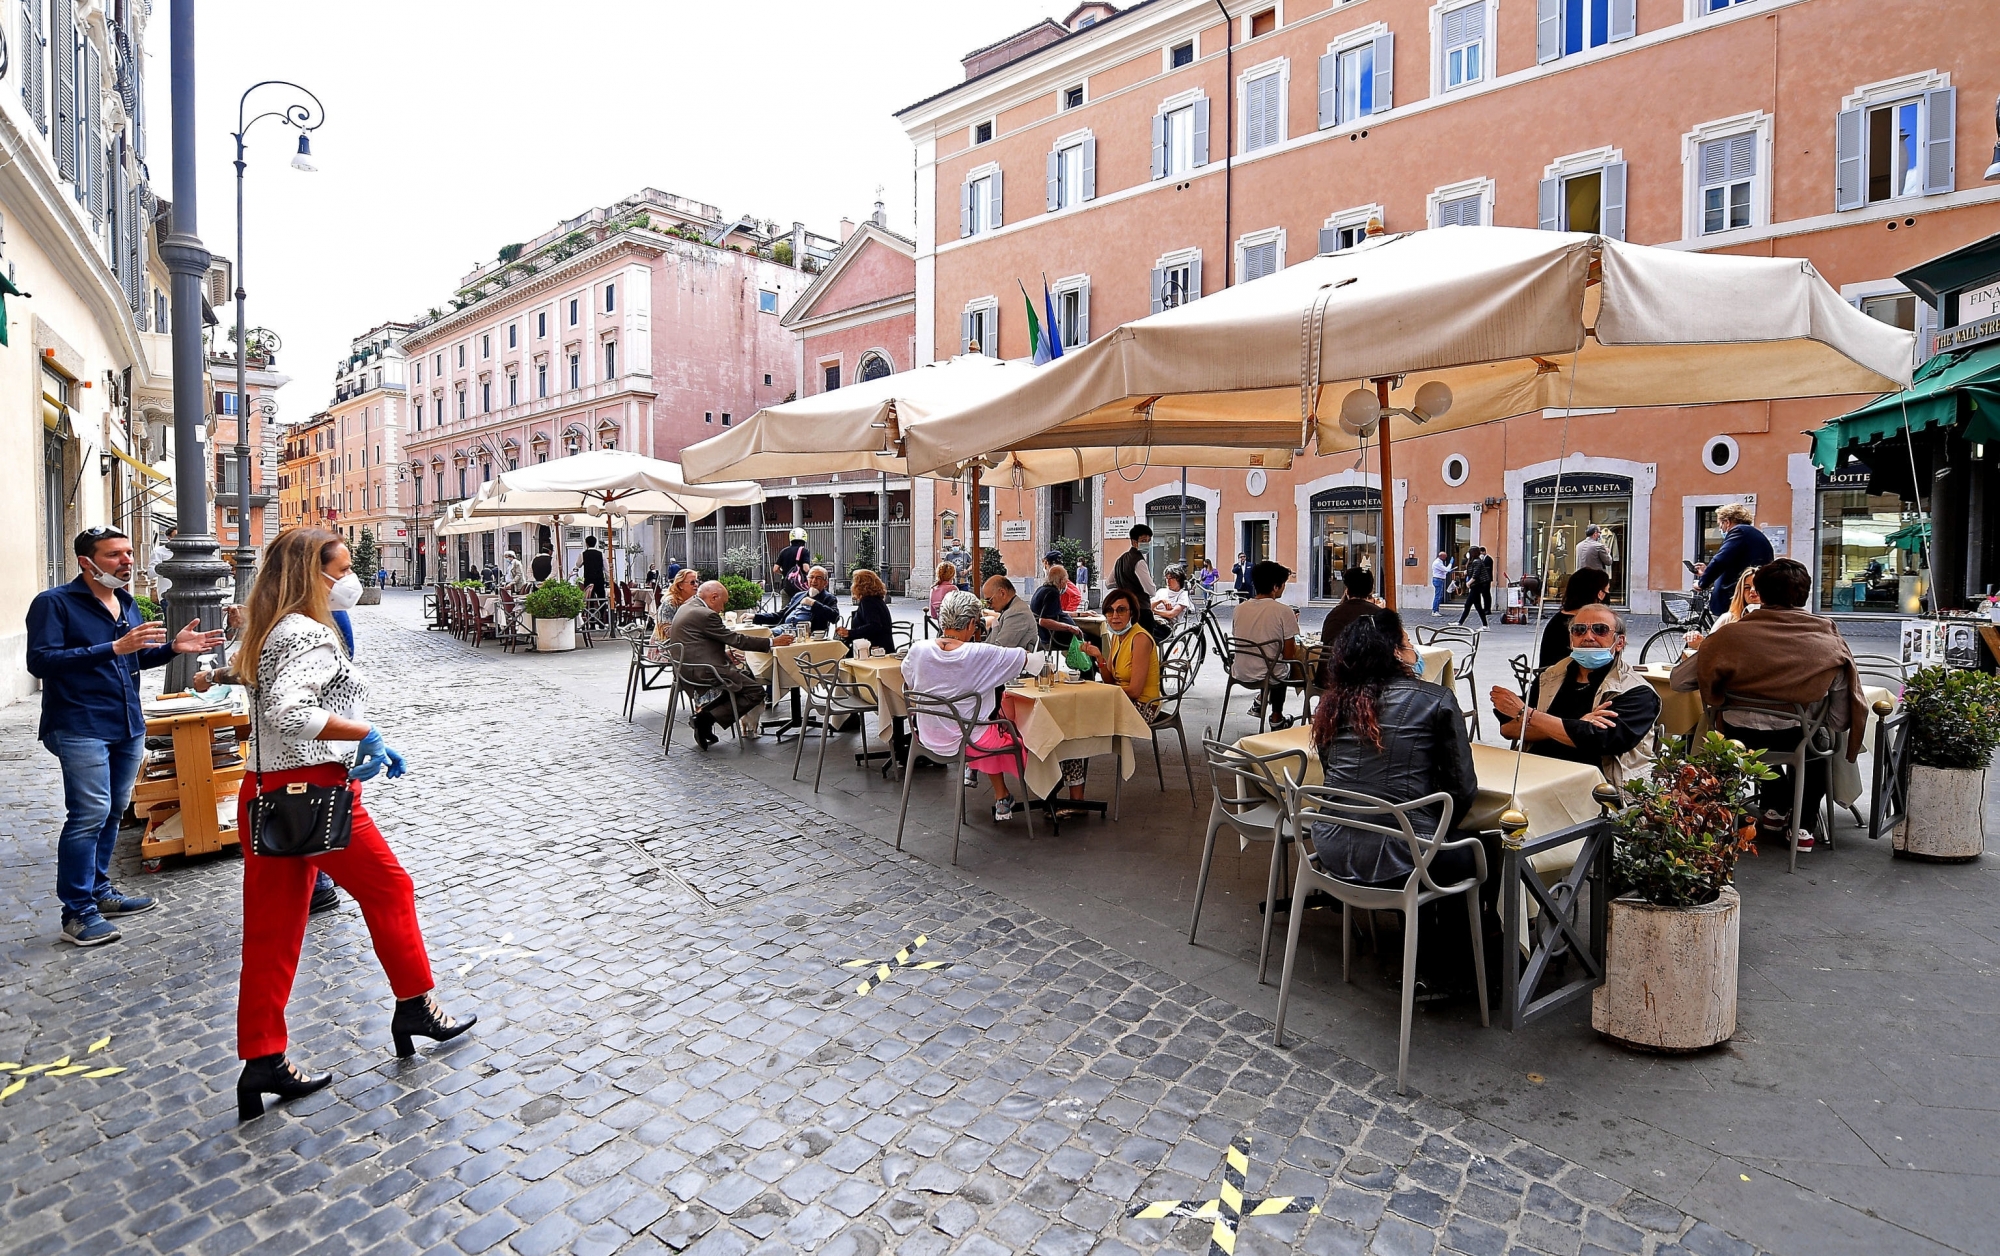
x,y
1390,563
972,509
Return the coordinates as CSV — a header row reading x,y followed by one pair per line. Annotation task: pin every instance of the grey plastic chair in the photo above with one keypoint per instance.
x,y
952,708
830,696
691,680
1177,671
1815,742
1307,803
1249,801
1279,672
1464,645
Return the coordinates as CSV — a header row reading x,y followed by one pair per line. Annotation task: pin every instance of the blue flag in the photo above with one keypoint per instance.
x,y
1054,328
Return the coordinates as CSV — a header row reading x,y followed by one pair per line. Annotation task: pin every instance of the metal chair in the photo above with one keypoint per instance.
x,y
1279,672
950,709
1306,803
903,634
1249,801
1179,662
1524,674
650,671
513,626
1815,742
1887,670
691,681
830,696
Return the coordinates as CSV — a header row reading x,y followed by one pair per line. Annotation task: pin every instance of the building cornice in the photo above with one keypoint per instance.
x,y
633,240
859,315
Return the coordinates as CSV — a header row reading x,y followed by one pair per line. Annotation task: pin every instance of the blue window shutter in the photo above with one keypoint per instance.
x,y
1385,74
1200,156
1850,186
1328,106
1329,239
1090,169
1549,199
1054,180
1159,146
1548,30
1624,19
1940,133
1611,217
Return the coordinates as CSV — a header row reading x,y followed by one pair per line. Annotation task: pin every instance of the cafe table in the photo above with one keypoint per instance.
x,y
1437,659
1073,720
884,674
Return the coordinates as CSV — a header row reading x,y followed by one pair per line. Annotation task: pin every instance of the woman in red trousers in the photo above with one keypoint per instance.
x,y
307,725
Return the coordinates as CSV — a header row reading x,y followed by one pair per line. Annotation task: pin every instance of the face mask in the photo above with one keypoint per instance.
x,y
1418,667
105,580
345,594
1590,658
1119,632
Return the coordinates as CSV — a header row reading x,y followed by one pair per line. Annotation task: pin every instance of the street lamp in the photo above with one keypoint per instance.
x,y
307,119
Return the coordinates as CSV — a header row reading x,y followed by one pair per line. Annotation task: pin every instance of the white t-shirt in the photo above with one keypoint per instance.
x,y
1266,620
967,673
1440,569
1167,599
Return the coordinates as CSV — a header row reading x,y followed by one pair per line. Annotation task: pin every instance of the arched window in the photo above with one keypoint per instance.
x,y
874,366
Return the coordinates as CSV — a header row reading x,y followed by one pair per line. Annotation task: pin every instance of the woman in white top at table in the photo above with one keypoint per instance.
x,y
955,665
1744,601
1171,601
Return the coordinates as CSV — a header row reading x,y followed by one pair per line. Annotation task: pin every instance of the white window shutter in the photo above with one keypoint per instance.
x,y
1549,198
1329,239
1940,133
1193,292
1159,288
964,332
964,210
1850,187
1083,315
1548,30
1611,215
989,338
1327,104
1385,73
1089,191
1055,179
1200,155
993,189
1159,146
1253,115
1624,19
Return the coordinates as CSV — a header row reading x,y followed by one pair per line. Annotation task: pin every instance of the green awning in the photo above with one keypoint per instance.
x,y
1911,537
1962,385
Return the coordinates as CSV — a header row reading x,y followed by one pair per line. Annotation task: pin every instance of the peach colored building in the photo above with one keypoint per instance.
x,y
369,487
306,475
1152,156
645,325
261,382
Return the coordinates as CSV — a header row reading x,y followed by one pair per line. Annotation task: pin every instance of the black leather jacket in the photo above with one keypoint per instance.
x,y
1425,749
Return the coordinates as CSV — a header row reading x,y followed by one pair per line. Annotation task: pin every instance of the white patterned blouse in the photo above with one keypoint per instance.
x,y
303,679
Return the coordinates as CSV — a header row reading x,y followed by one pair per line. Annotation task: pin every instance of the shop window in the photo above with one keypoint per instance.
x,y
1556,525
1346,532
1864,565
1163,516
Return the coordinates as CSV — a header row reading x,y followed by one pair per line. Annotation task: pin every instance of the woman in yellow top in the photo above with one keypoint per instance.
x,y
1129,658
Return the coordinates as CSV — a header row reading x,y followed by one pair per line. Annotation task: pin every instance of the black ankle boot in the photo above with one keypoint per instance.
x,y
272,1075
422,1015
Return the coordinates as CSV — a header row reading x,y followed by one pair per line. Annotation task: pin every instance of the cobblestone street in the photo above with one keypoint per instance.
x,y
670,1055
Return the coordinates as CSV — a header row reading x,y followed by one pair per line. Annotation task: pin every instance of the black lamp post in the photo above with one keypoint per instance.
x,y
307,119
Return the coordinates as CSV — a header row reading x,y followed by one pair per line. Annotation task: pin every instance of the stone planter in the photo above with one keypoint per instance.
x,y
1670,975
1944,817
370,596
552,636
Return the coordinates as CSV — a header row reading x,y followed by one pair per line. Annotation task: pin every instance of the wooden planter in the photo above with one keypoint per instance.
x,y
1670,975
1944,816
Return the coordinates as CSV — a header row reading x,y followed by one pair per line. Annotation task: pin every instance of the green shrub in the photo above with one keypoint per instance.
x,y
468,584
743,595
745,561
1954,717
149,610
990,565
1679,838
1075,554
554,599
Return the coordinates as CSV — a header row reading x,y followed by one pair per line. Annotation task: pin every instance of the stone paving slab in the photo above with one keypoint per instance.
x,y
671,1056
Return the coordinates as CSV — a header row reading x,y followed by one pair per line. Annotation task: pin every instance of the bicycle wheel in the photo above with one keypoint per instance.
x,y
1665,646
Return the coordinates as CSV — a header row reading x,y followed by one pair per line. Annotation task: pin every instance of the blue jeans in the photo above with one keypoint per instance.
x,y
97,784
1437,594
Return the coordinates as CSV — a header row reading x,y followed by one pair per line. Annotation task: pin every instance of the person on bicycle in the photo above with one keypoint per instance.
x,y
1743,546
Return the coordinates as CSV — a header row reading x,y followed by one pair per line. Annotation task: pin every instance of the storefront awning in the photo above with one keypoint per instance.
x,y
1952,386
1911,537
137,465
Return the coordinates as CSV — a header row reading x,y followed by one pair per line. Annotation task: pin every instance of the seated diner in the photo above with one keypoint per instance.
x,y
1591,707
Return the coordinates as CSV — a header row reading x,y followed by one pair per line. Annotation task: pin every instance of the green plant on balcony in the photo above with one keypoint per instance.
x,y
510,252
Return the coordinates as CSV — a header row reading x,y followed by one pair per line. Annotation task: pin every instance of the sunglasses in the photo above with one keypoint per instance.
x,y
1605,631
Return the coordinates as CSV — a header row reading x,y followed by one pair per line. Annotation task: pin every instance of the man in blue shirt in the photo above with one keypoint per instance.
x,y
1743,546
88,643
813,610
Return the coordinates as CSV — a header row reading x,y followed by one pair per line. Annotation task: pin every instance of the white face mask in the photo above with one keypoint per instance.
x,y
345,594
106,580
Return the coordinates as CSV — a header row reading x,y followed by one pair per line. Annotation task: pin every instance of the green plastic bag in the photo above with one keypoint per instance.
x,y
1078,661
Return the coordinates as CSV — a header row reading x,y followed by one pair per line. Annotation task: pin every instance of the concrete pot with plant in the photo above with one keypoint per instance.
x,y
1954,717
1675,920
554,606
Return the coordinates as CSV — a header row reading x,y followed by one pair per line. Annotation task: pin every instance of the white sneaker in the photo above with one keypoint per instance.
x,y
1803,840
1003,809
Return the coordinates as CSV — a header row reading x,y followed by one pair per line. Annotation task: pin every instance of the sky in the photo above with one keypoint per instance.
x,y
454,127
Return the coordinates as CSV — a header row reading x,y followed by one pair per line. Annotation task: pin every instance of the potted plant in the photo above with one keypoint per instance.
x,y
1954,717
743,594
554,606
1670,964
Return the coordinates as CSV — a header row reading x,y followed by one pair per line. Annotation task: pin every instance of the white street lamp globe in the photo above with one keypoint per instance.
x,y
1359,412
1433,399
302,160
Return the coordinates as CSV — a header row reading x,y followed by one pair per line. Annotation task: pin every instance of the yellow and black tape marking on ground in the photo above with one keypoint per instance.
x,y
20,1073
884,967
1231,1204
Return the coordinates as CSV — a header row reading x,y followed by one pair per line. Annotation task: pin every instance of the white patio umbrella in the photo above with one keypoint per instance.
x,y
1444,328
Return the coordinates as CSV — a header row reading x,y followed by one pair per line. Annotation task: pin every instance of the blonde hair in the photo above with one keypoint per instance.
x,y
868,584
1732,512
1741,601
289,582
947,572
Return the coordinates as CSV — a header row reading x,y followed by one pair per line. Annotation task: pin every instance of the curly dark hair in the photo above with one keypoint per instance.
x,y
1363,660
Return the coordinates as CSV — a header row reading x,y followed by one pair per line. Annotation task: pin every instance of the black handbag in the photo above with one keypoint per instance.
x,y
297,819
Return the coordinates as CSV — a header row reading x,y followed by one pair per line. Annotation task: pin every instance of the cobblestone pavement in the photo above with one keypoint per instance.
x,y
671,1056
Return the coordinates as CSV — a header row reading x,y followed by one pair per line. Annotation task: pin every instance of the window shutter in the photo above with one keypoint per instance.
x,y
1089,168
1549,198
1624,19
989,331
1083,315
1850,190
964,210
1159,288
1548,30
1194,281
993,200
1927,325
1054,179
1327,105
1253,115
1200,154
1385,74
1464,25
1329,239
1611,216
34,56
1159,146
1940,132
91,106
135,252
62,53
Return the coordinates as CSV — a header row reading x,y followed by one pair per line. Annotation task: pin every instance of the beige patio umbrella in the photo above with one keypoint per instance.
x,y
1508,320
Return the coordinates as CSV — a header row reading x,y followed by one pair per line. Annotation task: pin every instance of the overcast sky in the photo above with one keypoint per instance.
x,y
456,126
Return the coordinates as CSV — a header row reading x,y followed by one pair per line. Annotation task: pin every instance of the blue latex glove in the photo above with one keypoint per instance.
x,y
371,756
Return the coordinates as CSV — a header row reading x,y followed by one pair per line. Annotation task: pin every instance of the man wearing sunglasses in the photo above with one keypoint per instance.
x,y
1590,707
87,643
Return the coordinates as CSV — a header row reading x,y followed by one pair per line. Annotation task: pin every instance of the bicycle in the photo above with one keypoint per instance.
x,y
1682,614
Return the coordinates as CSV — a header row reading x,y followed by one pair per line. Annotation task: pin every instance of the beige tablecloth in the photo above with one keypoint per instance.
x,y
1076,721
884,674
784,658
1681,713
1437,664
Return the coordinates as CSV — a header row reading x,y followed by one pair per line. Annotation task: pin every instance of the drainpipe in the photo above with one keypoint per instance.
x,y
1228,154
